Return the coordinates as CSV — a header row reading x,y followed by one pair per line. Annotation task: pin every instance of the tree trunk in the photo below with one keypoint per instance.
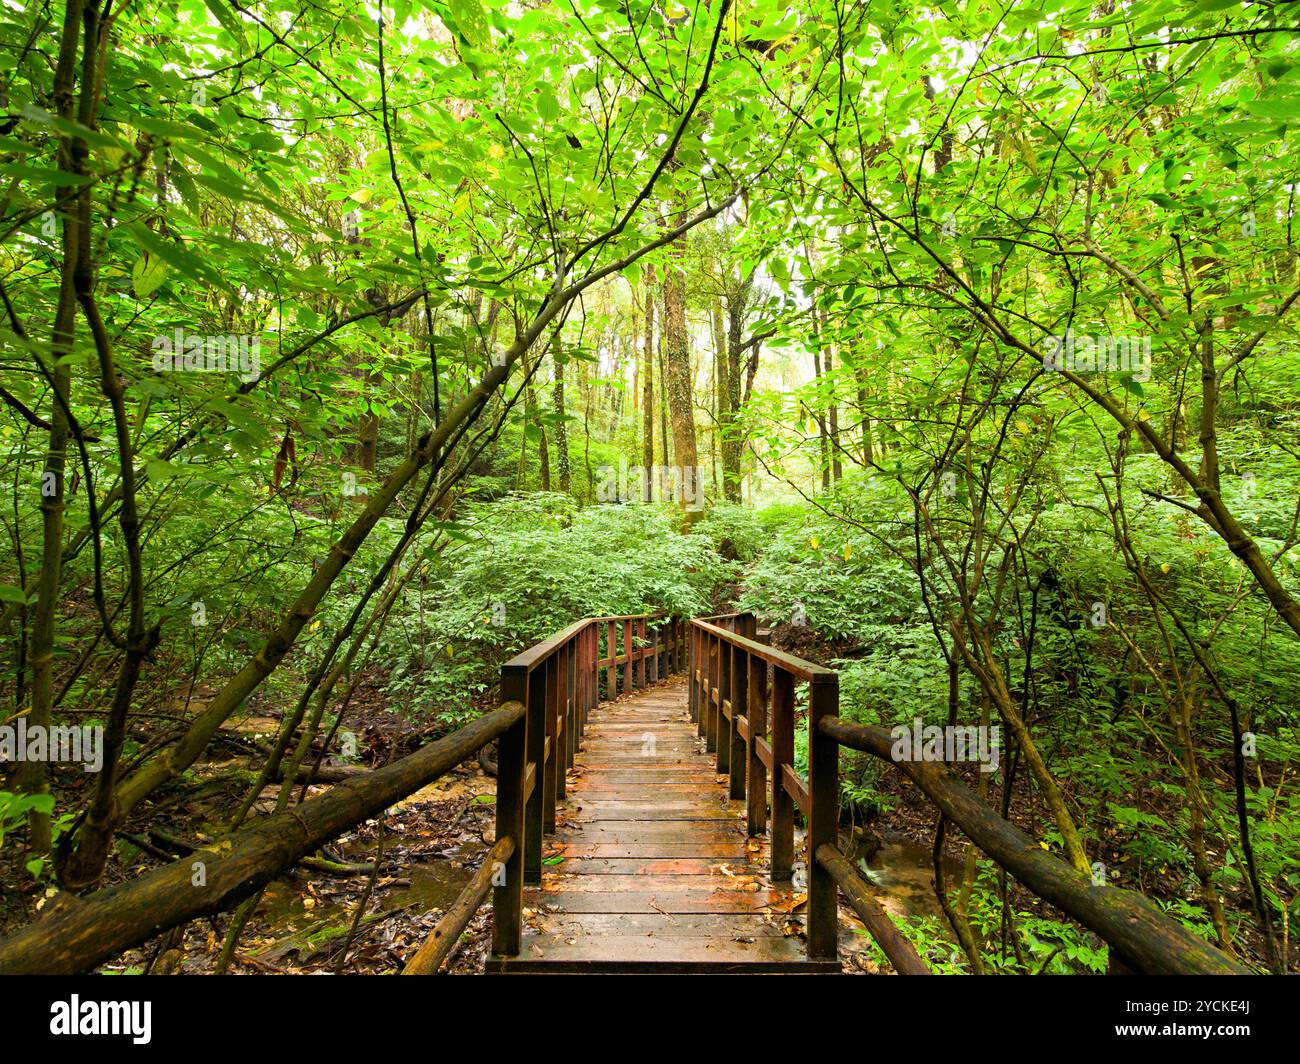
x,y
681,399
561,428
648,391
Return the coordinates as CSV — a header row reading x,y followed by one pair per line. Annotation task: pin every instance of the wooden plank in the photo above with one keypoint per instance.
x,y
648,848
663,901
701,886
720,947
670,925
656,866
637,832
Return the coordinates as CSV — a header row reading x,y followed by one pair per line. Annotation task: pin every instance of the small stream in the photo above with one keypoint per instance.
x,y
437,884
901,875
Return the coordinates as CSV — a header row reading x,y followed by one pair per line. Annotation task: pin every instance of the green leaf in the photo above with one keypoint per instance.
x,y
547,105
147,274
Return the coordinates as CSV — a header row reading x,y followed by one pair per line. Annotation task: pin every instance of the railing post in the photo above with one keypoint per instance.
x,y
739,687
554,767
782,754
573,677
725,726
536,745
627,650
710,685
591,680
756,711
823,818
640,661
611,670
564,722
508,892
654,654
692,685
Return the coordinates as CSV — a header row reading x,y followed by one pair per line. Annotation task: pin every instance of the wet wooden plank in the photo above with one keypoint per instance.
x,y
668,926
658,901
739,881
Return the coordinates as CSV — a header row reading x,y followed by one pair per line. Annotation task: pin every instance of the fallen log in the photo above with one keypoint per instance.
x,y
80,933
323,936
324,774
1150,941
326,865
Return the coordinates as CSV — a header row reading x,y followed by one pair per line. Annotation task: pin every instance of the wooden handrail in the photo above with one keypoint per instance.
x,y
741,696
901,953
1147,939
751,729
805,671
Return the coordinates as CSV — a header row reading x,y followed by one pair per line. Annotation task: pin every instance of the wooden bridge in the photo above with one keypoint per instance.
x,y
647,800
650,865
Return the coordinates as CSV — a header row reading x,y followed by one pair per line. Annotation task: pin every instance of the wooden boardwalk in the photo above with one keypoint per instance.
x,y
650,868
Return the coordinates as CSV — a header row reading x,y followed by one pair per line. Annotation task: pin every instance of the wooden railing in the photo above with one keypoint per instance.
x,y
559,681
742,696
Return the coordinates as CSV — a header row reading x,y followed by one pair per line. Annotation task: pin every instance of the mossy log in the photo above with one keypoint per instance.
x,y
1150,941
80,933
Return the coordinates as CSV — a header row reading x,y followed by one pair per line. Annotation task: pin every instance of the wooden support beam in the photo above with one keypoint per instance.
x,y
756,715
782,830
738,761
512,794
823,813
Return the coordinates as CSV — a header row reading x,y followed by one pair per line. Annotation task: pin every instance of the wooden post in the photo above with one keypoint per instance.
x,y
580,687
710,686
702,696
592,674
782,709
823,818
692,687
553,769
627,652
563,725
611,670
639,628
573,688
725,726
756,711
739,700
508,889
533,818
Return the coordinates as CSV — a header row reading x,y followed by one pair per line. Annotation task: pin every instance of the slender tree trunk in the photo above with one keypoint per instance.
x,y
732,444
681,399
31,778
648,390
561,427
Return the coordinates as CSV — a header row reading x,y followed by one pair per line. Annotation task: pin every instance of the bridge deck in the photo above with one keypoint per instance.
x,y
650,867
